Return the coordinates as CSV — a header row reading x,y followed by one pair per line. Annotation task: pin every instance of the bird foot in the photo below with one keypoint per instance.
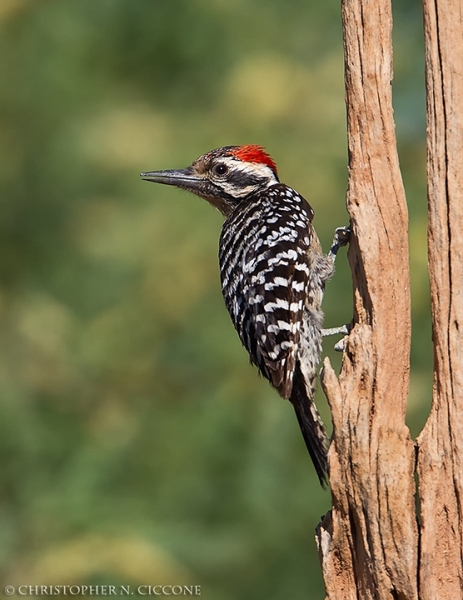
x,y
343,330
341,238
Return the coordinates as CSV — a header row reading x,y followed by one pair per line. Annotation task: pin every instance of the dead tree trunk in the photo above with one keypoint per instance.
x,y
372,544
440,457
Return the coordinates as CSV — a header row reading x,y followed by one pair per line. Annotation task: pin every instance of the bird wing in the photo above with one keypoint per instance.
x,y
265,275
275,296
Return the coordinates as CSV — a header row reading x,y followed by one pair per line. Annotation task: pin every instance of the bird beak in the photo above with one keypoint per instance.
x,y
181,178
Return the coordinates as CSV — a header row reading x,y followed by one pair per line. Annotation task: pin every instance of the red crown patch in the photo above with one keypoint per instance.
x,y
254,154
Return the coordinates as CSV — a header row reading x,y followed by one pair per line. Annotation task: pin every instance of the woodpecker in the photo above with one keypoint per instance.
x,y
273,272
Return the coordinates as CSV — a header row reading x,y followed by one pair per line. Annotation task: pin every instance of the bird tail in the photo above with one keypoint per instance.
x,y
310,423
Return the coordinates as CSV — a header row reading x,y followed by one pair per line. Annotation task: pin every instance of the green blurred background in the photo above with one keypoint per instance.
x,y
137,444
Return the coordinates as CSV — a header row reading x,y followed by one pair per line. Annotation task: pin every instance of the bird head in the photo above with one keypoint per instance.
x,y
224,177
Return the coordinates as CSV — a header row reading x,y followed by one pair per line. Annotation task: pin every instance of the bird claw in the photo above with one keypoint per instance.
x,y
341,238
340,346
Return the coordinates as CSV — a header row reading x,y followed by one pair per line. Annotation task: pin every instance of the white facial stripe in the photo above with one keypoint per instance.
x,y
259,170
231,190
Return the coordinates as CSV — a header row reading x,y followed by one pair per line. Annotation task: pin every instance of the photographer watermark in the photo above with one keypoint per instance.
x,y
102,590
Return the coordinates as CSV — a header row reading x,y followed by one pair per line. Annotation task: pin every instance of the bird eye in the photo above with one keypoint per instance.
x,y
220,169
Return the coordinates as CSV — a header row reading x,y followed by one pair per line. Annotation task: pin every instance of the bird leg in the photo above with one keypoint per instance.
x,y
343,330
341,238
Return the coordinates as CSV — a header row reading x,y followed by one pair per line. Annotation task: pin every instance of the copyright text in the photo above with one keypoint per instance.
x,y
103,590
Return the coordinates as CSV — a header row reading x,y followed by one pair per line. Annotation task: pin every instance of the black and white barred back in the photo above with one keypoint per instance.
x,y
273,274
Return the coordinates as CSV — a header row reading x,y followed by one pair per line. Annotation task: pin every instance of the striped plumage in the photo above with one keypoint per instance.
x,y
273,273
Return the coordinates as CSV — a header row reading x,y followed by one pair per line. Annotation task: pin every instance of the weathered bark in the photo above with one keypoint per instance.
x,y
440,458
368,543
373,545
